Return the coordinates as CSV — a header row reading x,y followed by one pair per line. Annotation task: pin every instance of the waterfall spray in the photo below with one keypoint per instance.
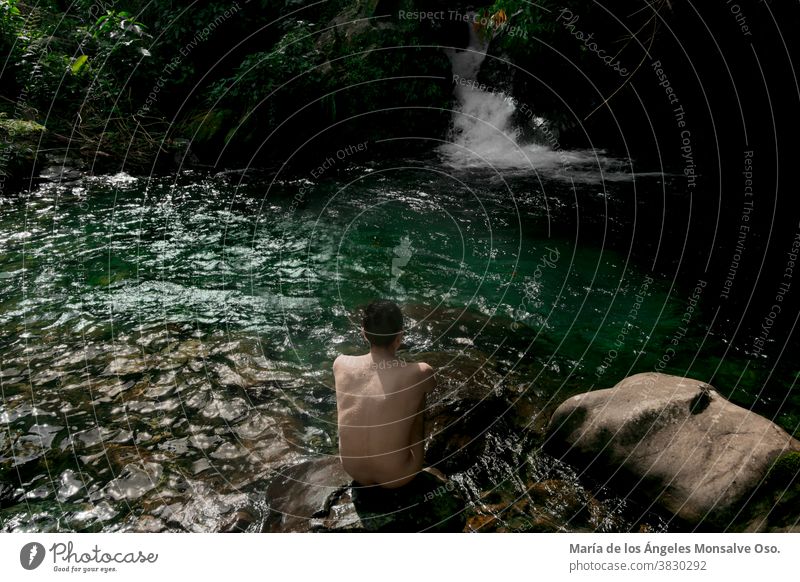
x,y
483,133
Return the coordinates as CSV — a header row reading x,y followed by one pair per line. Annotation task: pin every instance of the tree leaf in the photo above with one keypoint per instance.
x,y
79,62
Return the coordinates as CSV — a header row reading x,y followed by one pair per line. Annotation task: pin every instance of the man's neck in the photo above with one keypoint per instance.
x,y
382,353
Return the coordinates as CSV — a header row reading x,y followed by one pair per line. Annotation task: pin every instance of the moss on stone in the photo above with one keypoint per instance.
x,y
785,471
19,128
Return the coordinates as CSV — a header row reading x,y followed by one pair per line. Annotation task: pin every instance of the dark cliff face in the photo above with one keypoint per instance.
x,y
726,65
707,92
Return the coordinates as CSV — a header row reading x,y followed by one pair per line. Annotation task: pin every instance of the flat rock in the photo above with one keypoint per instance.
x,y
678,440
7,496
318,496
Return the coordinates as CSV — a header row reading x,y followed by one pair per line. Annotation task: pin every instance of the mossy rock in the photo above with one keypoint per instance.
x,y
207,125
19,141
785,471
17,129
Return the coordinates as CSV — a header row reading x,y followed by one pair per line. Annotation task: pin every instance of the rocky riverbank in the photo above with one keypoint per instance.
x,y
654,440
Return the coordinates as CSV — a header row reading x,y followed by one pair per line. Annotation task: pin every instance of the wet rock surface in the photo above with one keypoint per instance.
x,y
203,432
213,376
672,440
318,496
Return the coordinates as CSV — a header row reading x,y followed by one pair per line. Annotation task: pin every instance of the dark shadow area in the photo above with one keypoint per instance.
x,y
425,504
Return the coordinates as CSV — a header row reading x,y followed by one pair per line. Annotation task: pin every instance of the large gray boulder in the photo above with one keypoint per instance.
x,y
676,440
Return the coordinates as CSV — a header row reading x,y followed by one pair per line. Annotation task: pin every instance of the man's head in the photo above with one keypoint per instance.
x,y
382,323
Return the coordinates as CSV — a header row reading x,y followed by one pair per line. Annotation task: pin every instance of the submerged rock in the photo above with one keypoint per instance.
x,y
318,496
468,404
548,506
135,481
679,441
7,495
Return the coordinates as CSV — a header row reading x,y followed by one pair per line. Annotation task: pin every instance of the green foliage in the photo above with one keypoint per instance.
x,y
46,71
526,22
328,71
262,73
117,26
383,67
265,81
178,31
97,62
9,16
10,22
377,77
117,45
209,124
78,64
62,64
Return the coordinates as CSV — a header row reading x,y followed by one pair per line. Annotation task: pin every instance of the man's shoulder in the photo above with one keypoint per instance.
x,y
424,368
425,376
343,361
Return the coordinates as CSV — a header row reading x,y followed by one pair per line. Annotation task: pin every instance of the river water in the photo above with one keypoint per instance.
x,y
166,343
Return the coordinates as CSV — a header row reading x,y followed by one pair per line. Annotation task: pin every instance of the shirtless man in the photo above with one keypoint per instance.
x,y
380,401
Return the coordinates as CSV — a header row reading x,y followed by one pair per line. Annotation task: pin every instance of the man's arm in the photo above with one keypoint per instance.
x,y
337,368
428,382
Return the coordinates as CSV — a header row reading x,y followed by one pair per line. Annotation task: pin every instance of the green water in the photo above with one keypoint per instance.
x,y
165,344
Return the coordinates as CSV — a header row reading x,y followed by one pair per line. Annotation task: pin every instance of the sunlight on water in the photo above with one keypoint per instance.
x,y
162,355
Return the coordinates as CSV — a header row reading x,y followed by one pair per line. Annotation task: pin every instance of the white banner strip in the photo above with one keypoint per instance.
x,y
387,557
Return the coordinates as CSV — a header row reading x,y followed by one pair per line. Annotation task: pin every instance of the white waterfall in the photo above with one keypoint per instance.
x,y
483,133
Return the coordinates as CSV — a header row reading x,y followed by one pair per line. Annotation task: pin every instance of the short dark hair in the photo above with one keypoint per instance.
x,y
382,321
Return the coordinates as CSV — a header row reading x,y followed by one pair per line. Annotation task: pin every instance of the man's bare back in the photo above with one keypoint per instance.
x,y
381,402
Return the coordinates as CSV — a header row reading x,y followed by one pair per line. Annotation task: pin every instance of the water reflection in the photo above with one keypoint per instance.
x,y
166,345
